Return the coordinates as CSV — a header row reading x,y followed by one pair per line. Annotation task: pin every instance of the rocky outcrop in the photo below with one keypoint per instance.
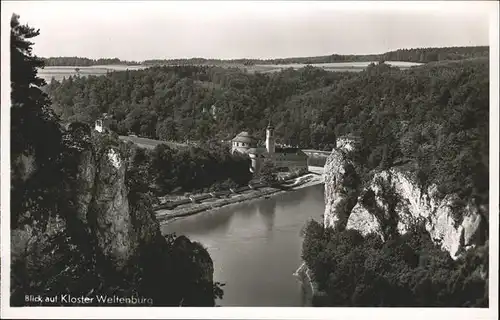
x,y
110,208
86,174
392,202
114,232
341,189
100,203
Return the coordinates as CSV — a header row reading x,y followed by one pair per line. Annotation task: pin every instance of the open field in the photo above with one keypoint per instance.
x,y
334,67
58,73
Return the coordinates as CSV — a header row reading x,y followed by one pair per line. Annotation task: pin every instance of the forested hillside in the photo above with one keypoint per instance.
x,y
422,55
82,62
435,116
188,103
408,271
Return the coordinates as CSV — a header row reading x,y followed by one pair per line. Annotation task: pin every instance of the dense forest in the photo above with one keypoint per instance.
x,y
188,103
408,271
421,55
83,62
435,116
208,167
56,252
202,61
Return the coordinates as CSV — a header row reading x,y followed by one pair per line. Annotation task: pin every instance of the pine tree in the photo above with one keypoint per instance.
x,y
35,133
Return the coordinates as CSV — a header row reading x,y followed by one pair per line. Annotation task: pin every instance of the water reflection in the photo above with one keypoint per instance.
x,y
217,221
247,209
256,246
294,197
267,211
318,196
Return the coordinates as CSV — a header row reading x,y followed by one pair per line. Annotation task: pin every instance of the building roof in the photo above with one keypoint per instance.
x,y
244,137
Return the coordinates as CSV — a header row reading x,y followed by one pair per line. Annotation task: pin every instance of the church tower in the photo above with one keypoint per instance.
x,y
270,138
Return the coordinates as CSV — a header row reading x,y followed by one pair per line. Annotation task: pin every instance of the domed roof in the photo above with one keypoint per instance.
x,y
244,137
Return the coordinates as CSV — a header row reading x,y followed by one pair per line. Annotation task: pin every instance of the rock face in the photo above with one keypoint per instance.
x,y
392,202
86,174
341,189
125,236
112,220
101,205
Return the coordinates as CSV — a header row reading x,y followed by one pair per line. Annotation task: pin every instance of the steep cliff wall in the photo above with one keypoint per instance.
x,y
392,202
341,189
124,232
110,208
100,202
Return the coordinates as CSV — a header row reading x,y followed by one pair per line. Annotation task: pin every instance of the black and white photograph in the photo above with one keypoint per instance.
x,y
321,159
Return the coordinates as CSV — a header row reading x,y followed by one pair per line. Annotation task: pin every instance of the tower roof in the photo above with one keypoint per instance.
x,y
245,137
270,125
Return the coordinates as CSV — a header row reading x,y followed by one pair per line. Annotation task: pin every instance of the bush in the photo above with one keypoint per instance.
x,y
268,173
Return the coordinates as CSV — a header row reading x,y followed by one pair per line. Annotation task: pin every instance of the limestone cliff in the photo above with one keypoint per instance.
x,y
124,231
341,188
110,208
100,197
99,201
392,202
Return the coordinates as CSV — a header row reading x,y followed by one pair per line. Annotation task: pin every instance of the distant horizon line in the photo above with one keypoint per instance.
x,y
264,59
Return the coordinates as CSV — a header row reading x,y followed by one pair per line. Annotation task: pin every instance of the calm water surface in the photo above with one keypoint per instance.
x,y
256,246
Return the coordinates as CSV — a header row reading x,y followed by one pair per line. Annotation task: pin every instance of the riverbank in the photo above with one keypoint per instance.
x,y
167,215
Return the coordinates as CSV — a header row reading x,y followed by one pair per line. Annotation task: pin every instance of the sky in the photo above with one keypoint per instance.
x,y
132,30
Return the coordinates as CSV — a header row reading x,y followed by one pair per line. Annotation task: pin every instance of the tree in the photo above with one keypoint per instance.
x,y
35,135
166,130
40,177
268,173
138,177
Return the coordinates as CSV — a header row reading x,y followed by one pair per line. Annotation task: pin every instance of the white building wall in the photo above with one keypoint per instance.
x,y
98,126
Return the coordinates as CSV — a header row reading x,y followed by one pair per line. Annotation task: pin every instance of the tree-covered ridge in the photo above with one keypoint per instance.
x,y
183,103
420,55
408,271
84,62
435,116
201,61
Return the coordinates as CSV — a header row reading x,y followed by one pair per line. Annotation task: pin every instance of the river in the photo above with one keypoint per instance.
x,y
256,246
